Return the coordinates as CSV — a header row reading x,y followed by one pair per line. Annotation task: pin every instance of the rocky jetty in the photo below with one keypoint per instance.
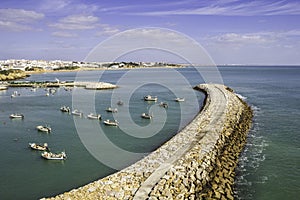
x,y
198,163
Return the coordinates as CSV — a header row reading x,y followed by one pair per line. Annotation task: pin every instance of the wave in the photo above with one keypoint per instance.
x,y
241,96
250,159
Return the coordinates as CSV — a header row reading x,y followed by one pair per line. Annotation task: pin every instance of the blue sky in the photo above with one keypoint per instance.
x,y
231,31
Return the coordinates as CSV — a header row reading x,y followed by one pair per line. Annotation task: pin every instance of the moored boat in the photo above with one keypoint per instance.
x,y
179,99
120,103
110,122
164,104
39,147
46,129
94,116
14,94
150,98
146,116
16,116
77,113
113,110
65,109
54,156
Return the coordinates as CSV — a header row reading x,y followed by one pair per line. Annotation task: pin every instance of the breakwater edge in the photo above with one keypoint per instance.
x,y
198,163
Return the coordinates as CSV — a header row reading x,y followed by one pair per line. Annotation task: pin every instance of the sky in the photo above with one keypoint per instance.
x,y
231,31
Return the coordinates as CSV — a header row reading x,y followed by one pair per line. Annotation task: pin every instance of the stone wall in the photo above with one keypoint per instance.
x,y
197,163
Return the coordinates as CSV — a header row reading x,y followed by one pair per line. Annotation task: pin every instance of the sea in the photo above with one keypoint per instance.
x,y
268,166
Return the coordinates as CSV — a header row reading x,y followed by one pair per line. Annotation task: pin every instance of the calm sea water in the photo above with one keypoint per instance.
x,y
268,168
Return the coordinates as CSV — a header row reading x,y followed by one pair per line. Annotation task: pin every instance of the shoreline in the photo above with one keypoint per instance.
x,y
100,69
19,75
198,162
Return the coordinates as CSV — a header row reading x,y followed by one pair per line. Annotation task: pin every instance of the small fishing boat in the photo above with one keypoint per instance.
x,y
110,123
120,103
94,116
46,129
77,113
164,104
150,98
113,110
16,116
52,90
146,116
54,156
179,99
65,109
14,94
39,147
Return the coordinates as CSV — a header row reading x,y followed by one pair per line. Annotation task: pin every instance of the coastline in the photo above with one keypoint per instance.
x,y
197,162
99,69
19,74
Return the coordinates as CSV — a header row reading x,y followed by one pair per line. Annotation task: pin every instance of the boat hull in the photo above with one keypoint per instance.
x,y
110,123
52,156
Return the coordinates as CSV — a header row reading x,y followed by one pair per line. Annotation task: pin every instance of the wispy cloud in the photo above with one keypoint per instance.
x,y
232,8
76,22
18,19
107,30
249,38
64,34
66,7
259,39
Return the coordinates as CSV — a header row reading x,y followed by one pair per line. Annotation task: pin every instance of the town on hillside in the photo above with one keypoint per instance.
x,y
36,65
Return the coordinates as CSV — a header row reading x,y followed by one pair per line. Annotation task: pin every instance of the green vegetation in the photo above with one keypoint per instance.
x,y
34,69
67,68
11,74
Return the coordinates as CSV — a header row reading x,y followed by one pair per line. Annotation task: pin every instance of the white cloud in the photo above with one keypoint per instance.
x,y
65,7
18,19
249,38
107,30
54,5
76,22
259,38
63,34
233,8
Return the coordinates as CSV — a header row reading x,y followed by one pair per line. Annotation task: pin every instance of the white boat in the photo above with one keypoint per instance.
x,y
65,109
14,94
77,113
146,116
179,99
43,128
94,116
54,156
39,147
164,104
52,90
110,123
150,98
16,116
113,110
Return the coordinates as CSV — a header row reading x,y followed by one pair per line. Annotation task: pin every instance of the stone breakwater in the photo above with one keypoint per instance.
x,y
198,163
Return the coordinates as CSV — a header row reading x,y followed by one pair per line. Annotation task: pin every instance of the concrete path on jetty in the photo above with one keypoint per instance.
x,y
197,163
